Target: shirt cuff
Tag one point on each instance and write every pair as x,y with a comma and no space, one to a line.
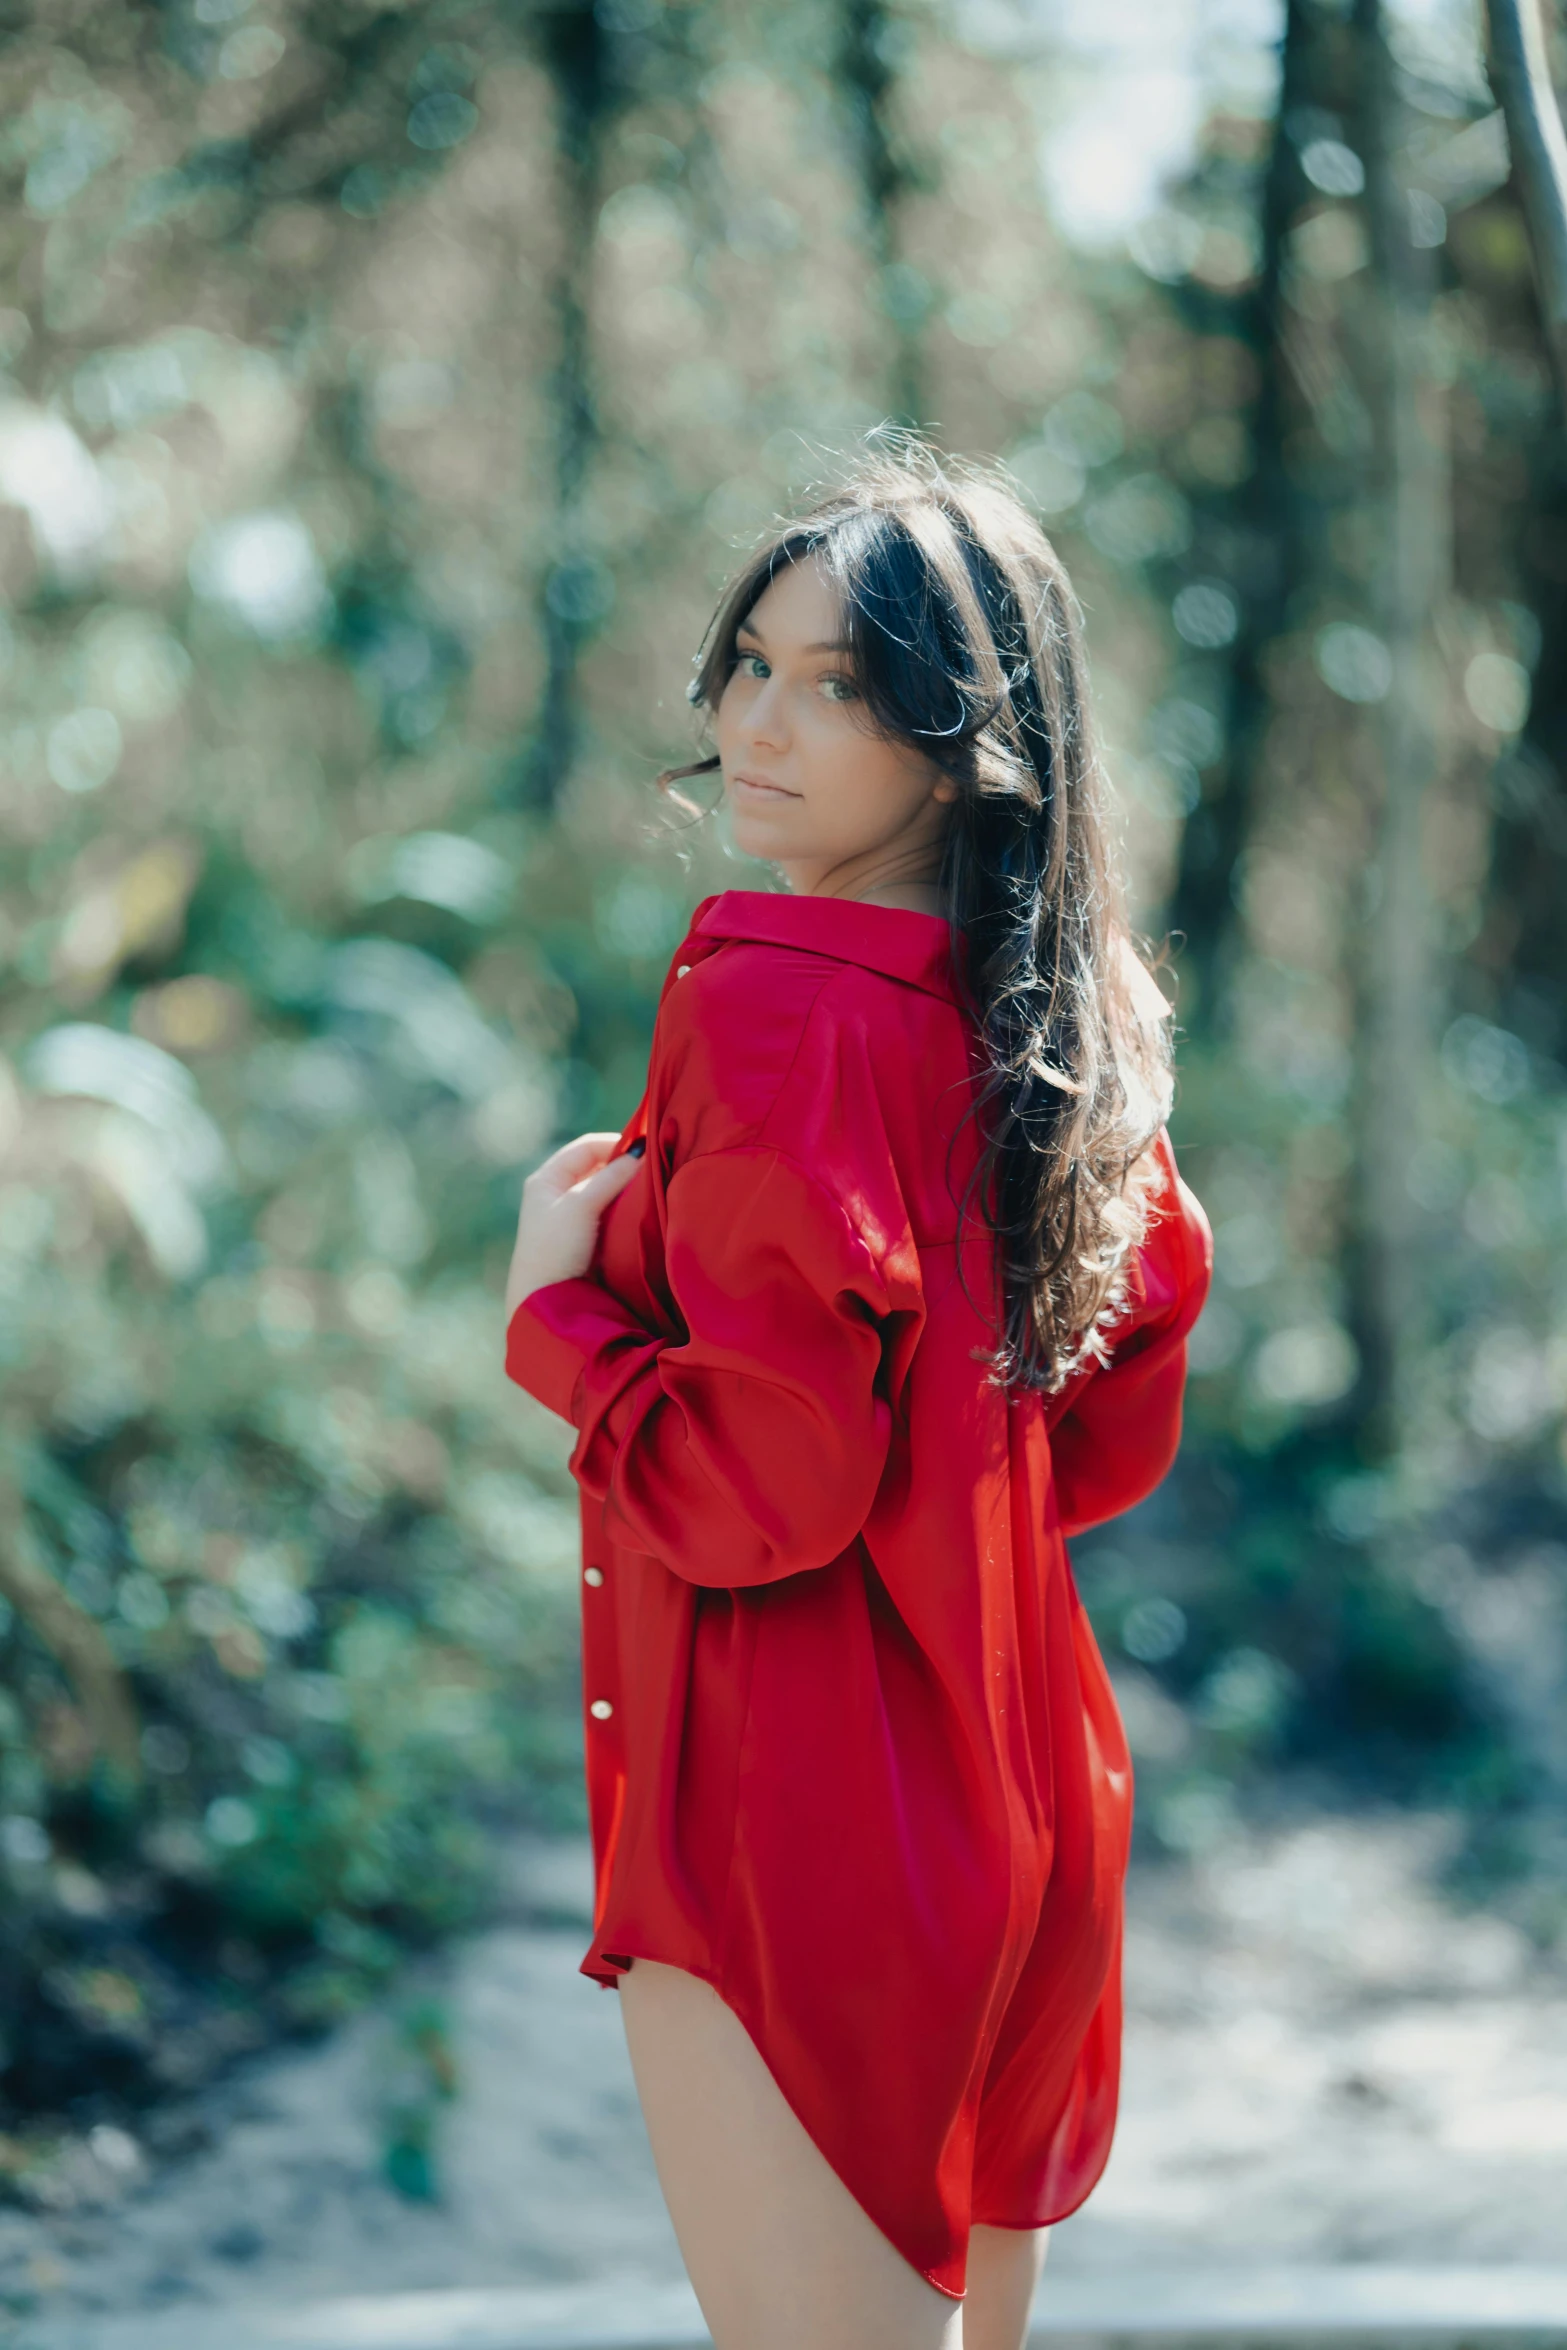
554,1335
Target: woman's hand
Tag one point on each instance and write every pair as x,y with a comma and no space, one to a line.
562,1202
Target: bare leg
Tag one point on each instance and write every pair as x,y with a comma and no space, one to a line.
779,2252
1003,2269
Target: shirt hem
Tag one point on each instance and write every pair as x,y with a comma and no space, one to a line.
609,1976
611,1945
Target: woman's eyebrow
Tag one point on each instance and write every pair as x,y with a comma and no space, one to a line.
834,647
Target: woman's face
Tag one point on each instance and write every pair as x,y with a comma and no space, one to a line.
810,787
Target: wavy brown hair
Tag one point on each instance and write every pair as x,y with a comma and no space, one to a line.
965,643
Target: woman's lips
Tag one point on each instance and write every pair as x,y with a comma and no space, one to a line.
764,791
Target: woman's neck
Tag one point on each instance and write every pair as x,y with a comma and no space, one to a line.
871,881
916,897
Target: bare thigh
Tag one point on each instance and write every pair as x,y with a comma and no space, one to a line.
780,2254
1003,2269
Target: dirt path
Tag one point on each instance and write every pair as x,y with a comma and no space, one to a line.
1322,2062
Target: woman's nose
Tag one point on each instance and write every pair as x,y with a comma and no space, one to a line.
765,718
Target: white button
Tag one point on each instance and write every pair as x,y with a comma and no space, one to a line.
593,1575
601,1709
681,969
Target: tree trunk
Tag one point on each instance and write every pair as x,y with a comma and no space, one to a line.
1520,70
868,77
1203,911
1394,964
572,43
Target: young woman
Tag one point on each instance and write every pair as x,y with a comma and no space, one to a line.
882,1292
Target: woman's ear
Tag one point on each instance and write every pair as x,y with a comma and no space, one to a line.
946,791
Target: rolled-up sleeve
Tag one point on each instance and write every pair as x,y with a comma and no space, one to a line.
749,1445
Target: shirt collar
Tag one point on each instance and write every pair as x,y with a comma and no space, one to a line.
904,945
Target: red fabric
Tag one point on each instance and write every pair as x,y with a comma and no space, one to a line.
863,1770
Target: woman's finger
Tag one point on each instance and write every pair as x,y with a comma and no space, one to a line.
606,1181
573,1160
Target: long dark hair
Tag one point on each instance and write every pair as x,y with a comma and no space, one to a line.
965,642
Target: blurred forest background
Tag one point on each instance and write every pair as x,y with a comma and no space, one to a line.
390,385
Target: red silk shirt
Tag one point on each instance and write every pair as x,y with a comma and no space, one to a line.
852,1754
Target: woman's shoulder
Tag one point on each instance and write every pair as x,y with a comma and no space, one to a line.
774,1042
730,1027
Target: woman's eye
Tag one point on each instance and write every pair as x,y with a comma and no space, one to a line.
838,687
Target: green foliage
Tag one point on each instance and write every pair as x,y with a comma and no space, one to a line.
419,2079
385,397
